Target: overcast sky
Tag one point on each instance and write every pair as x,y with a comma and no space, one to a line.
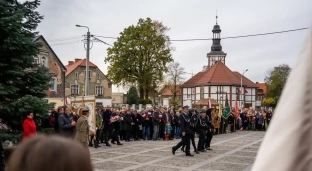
187,19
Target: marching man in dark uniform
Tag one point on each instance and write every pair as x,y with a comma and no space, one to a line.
193,122
186,132
211,129
202,127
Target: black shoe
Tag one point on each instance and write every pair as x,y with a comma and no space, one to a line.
173,151
95,146
203,151
113,142
98,146
108,145
196,151
118,143
208,148
190,155
182,149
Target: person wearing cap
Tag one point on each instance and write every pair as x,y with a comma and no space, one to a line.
202,128
82,133
186,132
193,122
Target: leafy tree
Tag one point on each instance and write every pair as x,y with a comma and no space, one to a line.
23,83
175,78
132,97
269,102
140,55
275,80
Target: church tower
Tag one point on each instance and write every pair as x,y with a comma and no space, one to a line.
216,53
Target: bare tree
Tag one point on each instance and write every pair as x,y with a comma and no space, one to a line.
175,77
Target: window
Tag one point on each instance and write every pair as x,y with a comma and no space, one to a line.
98,76
53,84
74,89
36,60
43,61
89,73
99,90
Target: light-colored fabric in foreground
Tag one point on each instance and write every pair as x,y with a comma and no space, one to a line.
287,145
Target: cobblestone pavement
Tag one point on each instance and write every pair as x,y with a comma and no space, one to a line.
231,152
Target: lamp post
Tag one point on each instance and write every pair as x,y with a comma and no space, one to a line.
87,60
241,88
222,121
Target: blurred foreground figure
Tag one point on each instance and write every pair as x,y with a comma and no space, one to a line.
36,154
287,147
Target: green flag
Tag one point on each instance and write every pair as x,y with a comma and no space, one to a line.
227,111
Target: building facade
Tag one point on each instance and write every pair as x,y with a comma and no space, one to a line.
119,98
166,95
262,89
99,84
218,82
57,70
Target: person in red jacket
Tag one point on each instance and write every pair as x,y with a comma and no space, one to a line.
29,126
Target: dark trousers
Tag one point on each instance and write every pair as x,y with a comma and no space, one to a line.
102,136
259,127
135,132
192,137
107,135
128,134
115,136
172,131
185,141
161,131
209,138
98,136
201,140
122,134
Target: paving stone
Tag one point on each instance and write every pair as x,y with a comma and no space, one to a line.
243,153
178,163
129,150
224,147
104,155
138,158
158,153
224,166
111,165
237,159
154,168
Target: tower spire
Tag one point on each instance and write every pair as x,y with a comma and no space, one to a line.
216,17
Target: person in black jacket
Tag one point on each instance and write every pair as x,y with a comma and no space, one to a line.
202,128
2,162
128,125
156,122
116,129
193,122
137,120
211,129
66,123
146,125
108,126
186,132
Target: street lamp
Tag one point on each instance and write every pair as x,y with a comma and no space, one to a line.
87,60
241,88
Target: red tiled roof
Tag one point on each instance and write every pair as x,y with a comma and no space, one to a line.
78,63
167,90
262,86
246,81
219,74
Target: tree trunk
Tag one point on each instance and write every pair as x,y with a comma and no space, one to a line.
146,93
141,93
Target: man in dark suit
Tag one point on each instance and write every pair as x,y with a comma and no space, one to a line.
186,132
66,123
108,126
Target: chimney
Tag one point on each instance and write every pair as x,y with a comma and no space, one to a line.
257,82
77,59
70,63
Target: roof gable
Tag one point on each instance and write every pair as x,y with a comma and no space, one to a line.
49,47
82,63
219,74
167,90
